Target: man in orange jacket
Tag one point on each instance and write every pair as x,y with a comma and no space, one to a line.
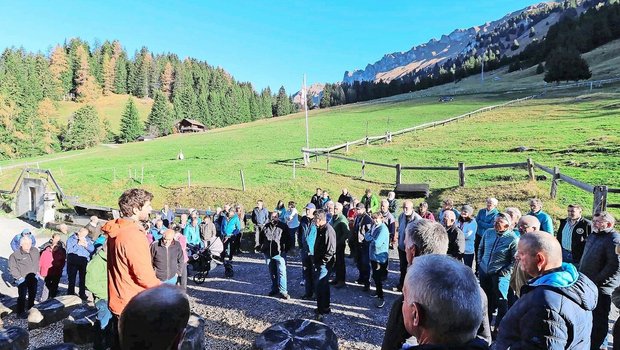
129,258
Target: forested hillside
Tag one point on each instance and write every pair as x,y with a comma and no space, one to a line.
31,84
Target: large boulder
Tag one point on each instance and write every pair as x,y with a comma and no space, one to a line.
81,325
52,310
63,346
7,305
194,337
14,338
297,334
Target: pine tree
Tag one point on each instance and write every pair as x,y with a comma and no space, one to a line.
131,127
109,68
141,74
61,72
120,75
8,113
326,96
166,80
86,88
82,130
566,64
108,134
49,127
160,121
283,104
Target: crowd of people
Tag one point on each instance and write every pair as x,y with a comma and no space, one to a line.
493,278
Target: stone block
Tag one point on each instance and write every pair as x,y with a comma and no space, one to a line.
52,310
14,338
297,334
81,325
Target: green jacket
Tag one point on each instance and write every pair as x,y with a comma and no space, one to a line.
341,226
97,275
372,204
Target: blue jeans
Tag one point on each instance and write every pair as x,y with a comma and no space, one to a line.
103,313
307,272
172,281
321,282
496,288
277,272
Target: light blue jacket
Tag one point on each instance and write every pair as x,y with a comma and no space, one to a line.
379,237
191,233
485,220
74,248
231,227
497,252
546,224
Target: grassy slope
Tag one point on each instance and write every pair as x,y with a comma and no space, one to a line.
110,107
214,158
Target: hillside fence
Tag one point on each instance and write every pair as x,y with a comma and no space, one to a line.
599,192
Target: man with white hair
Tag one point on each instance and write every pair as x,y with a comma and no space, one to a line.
93,227
24,265
388,220
406,218
442,313
546,224
456,237
601,264
555,309
496,256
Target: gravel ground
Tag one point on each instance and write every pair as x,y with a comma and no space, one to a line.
237,310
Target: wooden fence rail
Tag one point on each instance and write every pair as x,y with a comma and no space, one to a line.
600,193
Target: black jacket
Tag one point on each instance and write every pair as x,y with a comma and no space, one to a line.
325,245
474,344
361,226
581,231
547,317
396,334
599,261
167,262
317,201
456,242
273,239
22,264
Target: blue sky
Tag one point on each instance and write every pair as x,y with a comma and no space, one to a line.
265,42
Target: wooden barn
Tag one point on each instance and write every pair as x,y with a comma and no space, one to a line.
190,125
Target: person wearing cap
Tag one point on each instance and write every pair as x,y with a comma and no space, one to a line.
467,223
496,257
307,237
15,241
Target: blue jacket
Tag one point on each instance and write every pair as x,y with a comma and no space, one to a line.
74,248
191,233
157,234
554,312
440,214
308,235
546,224
15,241
485,220
496,253
231,227
379,238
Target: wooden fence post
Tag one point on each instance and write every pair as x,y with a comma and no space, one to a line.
398,174
461,174
554,182
367,141
242,180
530,169
294,163
600,199
327,162
347,147
363,168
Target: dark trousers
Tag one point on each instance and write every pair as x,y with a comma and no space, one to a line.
321,282
29,287
182,280
476,245
341,269
492,286
236,243
50,288
116,342
379,271
600,317
76,264
308,273
468,259
362,259
402,259
616,334
229,250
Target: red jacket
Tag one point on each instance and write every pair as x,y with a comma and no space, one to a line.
129,262
51,261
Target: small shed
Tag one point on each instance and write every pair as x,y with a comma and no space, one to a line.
190,125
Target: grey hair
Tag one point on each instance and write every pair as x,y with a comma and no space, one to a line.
320,214
429,237
329,203
385,201
338,205
493,200
605,216
535,201
449,296
515,214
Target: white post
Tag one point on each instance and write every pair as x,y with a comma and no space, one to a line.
294,164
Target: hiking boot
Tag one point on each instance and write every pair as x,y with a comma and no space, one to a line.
380,303
302,283
285,296
272,293
374,294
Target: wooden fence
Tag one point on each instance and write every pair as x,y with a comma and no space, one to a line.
388,136
599,192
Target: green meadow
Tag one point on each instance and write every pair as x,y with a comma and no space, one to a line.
576,132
